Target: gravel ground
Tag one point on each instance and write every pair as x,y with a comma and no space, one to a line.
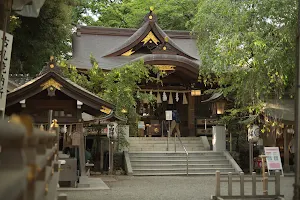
169,188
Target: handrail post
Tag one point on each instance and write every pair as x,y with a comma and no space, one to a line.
253,183
242,184
265,183
230,184
187,156
175,142
168,135
218,184
187,164
277,183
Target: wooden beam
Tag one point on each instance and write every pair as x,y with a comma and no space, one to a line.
286,139
191,115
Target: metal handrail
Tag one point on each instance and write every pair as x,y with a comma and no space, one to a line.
186,152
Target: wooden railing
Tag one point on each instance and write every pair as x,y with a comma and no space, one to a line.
29,167
204,126
241,179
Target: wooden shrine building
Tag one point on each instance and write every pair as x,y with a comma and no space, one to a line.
52,96
174,52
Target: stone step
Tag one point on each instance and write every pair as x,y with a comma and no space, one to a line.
182,170
163,138
182,161
165,145
174,155
180,166
163,149
174,159
179,174
195,153
165,141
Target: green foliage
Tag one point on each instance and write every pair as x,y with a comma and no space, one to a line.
36,39
172,14
249,47
119,86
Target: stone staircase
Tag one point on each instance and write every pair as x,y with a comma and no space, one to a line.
171,163
138,144
149,156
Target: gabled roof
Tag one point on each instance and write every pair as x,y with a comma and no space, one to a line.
108,44
51,77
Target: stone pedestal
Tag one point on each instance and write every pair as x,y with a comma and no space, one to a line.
219,138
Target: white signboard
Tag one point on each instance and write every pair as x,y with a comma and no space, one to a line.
141,125
5,67
273,158
76,139
169,115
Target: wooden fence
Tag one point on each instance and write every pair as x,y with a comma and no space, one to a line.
265,180
29,167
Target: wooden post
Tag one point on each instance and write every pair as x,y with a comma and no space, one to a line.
50,114
191,115
101,155
253,183
264,174
286,138
218,184
242,184
277,183
230,184
79,129
250,156
265,184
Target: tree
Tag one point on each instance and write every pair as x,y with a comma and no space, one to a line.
36,39
119,86
172,14
247,49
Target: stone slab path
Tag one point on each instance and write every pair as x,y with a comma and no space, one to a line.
168,188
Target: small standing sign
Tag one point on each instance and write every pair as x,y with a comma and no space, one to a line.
76,139
169,115
273,159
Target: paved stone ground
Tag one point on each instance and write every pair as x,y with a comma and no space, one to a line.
168,188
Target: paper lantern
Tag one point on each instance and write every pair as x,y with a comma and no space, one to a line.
195,92
184,99
165,98
158,98
170,98
177,97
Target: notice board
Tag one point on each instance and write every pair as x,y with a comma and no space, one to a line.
273,159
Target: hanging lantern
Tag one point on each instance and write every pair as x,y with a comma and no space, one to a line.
145,101
177,97
184,99
170,98
195,92
220,107
253,133
165,98
158,98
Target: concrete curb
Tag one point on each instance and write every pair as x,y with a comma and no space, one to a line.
232,161
205,143
128,167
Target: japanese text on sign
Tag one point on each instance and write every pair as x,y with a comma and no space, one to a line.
5,66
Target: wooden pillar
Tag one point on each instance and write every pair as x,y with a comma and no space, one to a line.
79,129
191,115
286,166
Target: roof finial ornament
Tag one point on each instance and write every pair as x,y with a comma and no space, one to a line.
151,15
